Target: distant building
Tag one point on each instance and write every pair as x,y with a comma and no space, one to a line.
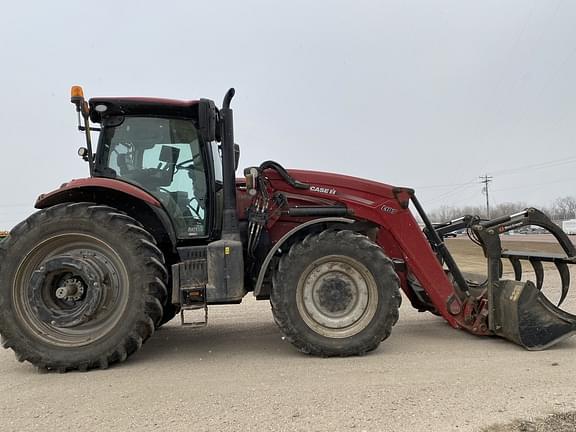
569,226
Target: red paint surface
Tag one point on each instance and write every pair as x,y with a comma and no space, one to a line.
400,235
45,200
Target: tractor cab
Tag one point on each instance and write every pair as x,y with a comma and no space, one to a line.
157,147
166,157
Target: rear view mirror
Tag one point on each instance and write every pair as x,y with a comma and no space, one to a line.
207,120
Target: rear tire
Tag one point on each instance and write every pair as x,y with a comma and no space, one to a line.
81,286
335,294
169,312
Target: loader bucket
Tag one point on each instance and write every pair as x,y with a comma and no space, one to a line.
522,314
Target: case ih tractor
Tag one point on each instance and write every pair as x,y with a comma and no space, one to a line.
162,226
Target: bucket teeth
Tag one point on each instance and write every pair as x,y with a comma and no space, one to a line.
565,279
539,271
517,266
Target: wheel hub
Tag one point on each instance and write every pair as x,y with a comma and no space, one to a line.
67,290
336,296
71,290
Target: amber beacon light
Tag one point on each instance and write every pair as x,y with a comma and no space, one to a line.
76,95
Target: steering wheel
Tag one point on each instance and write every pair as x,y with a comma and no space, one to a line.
188,164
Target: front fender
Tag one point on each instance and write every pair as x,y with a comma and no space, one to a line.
283,239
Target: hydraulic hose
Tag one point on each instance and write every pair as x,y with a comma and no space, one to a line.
284,174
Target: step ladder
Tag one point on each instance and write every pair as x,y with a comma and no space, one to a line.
189,280
193,299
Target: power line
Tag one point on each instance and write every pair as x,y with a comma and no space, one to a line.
536,185
442,186
540,165
459,187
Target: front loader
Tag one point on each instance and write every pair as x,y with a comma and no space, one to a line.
162,226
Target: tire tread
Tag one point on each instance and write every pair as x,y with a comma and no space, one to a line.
154,276
281,302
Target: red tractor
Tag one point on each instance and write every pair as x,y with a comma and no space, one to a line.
162,225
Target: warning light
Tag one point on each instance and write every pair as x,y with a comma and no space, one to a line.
77,92
76,95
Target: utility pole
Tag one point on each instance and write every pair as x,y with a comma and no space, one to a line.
486,179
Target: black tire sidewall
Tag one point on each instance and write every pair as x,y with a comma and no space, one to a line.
286,285
41,227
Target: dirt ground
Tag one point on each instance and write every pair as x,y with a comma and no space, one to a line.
238,374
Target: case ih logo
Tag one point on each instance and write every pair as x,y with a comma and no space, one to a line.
324,190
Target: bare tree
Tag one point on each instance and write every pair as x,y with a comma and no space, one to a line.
563,208
508,208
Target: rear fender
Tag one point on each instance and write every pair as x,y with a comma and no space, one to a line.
125,197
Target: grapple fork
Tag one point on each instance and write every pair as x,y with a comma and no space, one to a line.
519,311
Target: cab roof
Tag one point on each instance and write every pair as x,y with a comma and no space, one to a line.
101,107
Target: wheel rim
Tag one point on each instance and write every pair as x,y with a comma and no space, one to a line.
337,296
70,290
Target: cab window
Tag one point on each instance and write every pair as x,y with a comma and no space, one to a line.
164,157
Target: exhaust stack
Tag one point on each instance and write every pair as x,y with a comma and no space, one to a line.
225,266
230,220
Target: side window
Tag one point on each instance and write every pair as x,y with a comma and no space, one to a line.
217,157
164,157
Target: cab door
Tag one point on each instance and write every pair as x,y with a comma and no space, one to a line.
164,156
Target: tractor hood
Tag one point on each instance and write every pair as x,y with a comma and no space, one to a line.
337,187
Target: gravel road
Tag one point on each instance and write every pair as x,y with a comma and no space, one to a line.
238,374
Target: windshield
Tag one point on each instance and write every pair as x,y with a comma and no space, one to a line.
164,157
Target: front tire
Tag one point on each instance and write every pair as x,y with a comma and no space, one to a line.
335,294
81,286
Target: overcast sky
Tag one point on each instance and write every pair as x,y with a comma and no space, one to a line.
428,94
